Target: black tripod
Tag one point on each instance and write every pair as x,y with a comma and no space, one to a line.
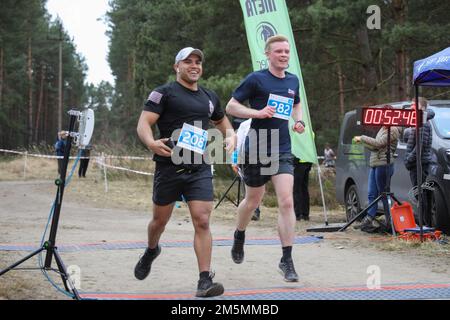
387,194
50,244
238,179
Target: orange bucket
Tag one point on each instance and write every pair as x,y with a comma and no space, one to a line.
403,216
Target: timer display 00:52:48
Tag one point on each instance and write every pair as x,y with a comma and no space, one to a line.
389,117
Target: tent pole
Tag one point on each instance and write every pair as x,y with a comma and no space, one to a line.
419,122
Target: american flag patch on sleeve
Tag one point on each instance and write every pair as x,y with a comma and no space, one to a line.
155,97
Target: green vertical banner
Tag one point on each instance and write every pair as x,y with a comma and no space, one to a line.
263,19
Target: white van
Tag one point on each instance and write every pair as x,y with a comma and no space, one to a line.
352,165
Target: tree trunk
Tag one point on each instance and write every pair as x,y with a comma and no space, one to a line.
400,72
40,101
131,82
408,78
341,91
400,10
60,86
369,65
45,116
30,94
1,75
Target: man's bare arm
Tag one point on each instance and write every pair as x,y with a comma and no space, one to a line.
227,131
297,115
144,131
237,109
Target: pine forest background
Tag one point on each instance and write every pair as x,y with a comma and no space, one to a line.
344,64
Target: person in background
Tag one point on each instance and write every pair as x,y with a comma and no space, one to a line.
301,191
60,145
84,161
256,214
426,156
377,174
329,156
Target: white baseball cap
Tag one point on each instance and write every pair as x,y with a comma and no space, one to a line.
186,52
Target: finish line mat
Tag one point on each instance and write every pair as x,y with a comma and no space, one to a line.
388,292
122,245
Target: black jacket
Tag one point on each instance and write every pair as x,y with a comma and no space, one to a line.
426,140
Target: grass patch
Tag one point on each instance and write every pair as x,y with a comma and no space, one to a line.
17,168
427,248
15,287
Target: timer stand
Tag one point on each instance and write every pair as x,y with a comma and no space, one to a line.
386,195
238,178
50,245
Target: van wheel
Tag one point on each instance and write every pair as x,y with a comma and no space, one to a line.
440,217
352,203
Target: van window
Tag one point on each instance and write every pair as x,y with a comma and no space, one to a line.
351,129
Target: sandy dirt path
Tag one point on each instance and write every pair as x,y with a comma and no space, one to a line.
340,259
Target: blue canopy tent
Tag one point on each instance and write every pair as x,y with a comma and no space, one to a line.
433,71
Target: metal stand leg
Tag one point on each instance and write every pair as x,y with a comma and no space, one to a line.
64,275
362,214
59,262
237,178
388,214
2,272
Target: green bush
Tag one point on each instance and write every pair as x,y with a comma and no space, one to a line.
223,86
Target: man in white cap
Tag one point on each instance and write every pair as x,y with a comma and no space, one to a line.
176,106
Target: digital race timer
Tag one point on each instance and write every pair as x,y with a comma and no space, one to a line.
388,117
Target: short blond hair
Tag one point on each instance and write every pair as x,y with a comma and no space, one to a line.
276,38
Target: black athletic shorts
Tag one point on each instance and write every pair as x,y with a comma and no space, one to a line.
257,175
171,182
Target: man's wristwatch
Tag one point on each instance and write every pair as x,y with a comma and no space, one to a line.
301,122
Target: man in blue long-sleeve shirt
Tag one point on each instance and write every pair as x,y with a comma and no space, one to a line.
60,145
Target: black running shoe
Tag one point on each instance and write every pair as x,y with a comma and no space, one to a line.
206,288
256,215
237,251
288,270
143,267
